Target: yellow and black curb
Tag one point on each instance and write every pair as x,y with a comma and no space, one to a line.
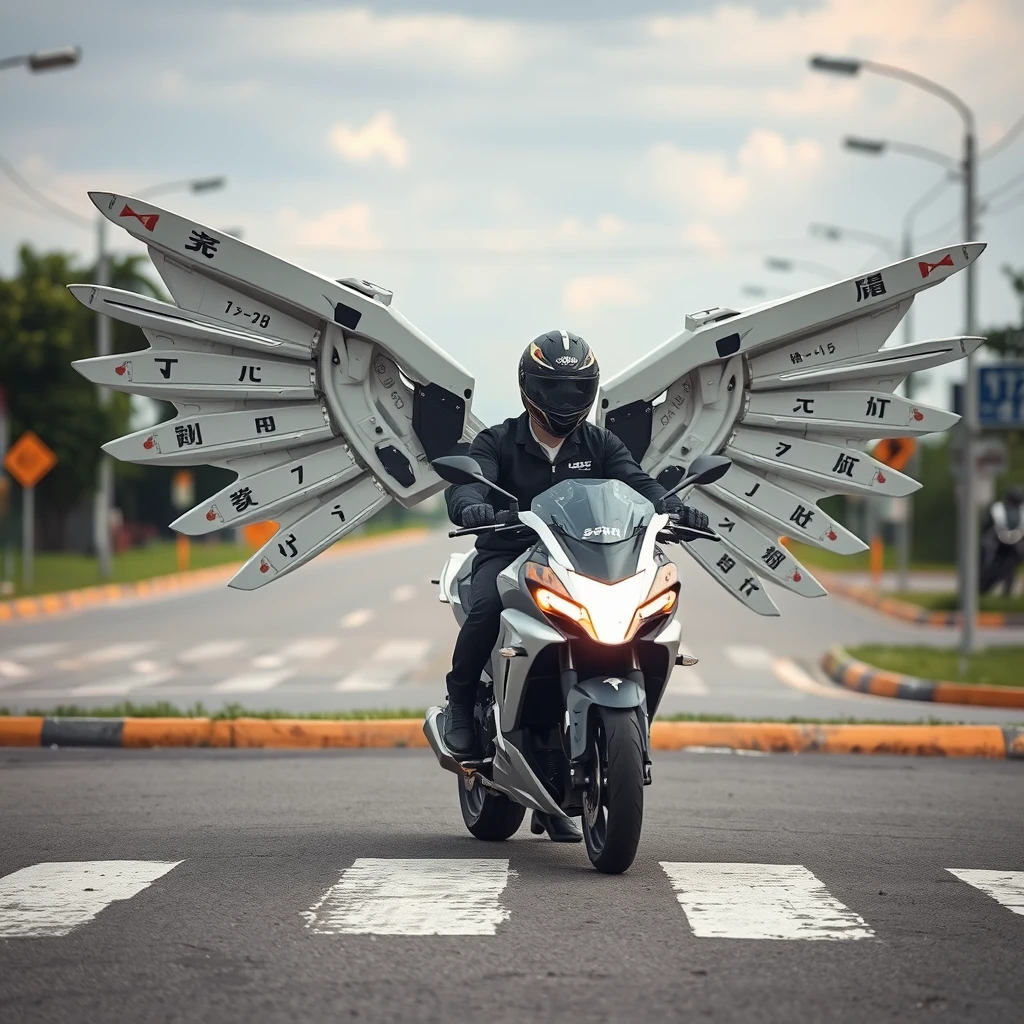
864,678
988,741
906,611
20,609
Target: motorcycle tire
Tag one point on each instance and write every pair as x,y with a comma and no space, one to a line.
613,804
488,815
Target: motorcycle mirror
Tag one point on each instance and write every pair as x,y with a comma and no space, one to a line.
705,469
462,469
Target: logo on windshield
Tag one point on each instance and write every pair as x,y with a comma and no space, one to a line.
601,531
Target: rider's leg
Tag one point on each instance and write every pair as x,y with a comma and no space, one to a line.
472,649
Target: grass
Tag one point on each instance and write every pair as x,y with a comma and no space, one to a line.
997,666
164,709
817,558
946,602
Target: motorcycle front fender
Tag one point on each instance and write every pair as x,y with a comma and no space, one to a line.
607,692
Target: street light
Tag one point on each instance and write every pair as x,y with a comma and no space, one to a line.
968,510
105,479
837,234
44,60
876,147
786,265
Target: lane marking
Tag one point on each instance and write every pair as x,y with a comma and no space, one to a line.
402,650
210,650
310,647
360,617
389,664
121,686
1007,887
33,652
726,750
686,681
145,666
793,676
431,896
357,683
251,682
751,658
12,670
267,661
49,900
761,901
119,652
406,592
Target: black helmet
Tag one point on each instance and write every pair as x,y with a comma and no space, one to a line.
1015,495
558,378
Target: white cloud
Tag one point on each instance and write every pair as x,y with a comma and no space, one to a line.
695,179
704,237
378,137
587,294
767,150
347,227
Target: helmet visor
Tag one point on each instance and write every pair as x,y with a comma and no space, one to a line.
561,396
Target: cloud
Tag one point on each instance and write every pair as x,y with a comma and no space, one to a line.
701,180
347,227
587,294
769,151
704,237
377,137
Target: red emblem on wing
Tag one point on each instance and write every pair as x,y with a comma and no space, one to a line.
918,415
832,535
211,515
927,268
264,566
796,577
147,220
150,442
880,478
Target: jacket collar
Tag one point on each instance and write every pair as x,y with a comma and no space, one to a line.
524,436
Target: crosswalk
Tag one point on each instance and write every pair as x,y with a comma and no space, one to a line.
471,896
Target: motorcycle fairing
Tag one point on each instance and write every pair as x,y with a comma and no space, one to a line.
792,391
607,692
322,398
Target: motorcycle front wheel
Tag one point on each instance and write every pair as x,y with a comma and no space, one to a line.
488,815
613,803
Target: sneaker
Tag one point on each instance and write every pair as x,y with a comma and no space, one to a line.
459,731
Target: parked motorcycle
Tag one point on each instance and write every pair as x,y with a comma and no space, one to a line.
587,642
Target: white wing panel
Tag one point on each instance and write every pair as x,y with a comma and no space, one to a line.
742,583
314,526
257,495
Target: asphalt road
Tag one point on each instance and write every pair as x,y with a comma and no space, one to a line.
275,893
364,628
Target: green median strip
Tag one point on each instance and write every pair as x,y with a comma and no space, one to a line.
948,602
164,709
996,666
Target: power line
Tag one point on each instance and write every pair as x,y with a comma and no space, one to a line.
39,197
1011,133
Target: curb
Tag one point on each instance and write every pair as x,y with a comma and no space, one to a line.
907,612
989,741
60,603
864,678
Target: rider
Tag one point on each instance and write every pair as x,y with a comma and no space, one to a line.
1002,541
525,455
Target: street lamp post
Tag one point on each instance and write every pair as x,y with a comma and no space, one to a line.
104,497
968,509
44,60
786,265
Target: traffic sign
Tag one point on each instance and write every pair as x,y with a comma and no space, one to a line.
895,452
29,460
1001,395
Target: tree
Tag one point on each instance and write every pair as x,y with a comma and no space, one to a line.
42,329
1010,340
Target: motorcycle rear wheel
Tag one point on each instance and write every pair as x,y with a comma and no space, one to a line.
488,815
613,804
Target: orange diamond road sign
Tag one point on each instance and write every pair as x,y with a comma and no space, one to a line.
28,460
895,452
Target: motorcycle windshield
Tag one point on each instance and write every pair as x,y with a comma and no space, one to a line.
600,523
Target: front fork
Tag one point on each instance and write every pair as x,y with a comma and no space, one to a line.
626,691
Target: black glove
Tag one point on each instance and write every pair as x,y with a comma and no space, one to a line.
474,516
690,519
670,505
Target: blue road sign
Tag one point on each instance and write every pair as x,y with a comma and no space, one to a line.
1001,395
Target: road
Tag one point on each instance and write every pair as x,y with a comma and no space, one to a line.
364,628
271,886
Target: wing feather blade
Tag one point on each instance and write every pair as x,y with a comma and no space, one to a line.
742,583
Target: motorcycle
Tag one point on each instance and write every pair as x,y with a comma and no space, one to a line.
587,641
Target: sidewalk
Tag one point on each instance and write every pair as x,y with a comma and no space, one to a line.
938,582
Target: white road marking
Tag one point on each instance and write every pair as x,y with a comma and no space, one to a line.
726,750
686,681
752,658
310,647
121,686
33,652
1005,886
267,661
357,683
360,617
392,661
406,592
761,901
414,897
119,652
48,900
12,670
252,682
790,673
210,650
402,650
145,666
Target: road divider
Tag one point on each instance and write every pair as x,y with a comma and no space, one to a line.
856,675
69,601
989,741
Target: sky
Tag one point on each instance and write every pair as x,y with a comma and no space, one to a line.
511,167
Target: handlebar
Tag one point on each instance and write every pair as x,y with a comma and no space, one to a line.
684,535
503,520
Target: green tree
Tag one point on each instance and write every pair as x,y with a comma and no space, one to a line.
1009,340
42,329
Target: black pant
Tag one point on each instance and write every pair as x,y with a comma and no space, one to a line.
480,630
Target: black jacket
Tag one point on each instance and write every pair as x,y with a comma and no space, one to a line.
510,456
